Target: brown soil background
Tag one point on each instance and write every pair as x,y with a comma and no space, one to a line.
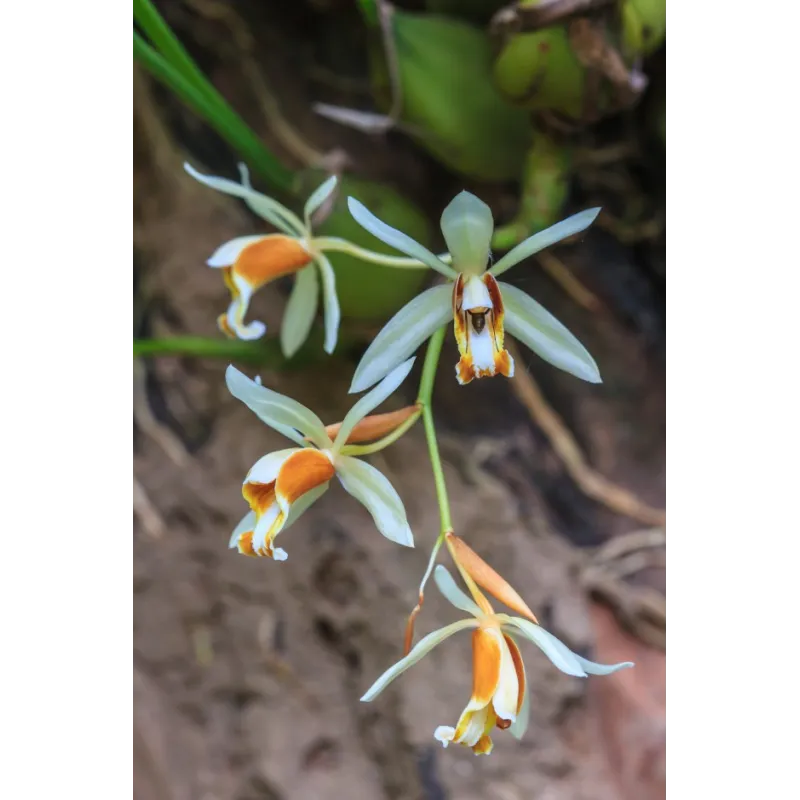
248,673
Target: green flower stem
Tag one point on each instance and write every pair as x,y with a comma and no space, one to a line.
212,107
167,43
335,244
374,447
424,399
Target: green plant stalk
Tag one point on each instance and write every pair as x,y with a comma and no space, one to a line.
218,114
168,44
424,399
264,352
337,245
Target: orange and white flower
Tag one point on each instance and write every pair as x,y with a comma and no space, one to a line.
482,308
250,262
282,485
500,695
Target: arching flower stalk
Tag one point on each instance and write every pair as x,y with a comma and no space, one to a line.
500,693
482,308
282,485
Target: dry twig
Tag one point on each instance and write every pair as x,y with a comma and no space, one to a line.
563,442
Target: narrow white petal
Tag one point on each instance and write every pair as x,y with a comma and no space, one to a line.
266,469
279,412
593,668
549,236
372,488
366,121
318,197
394,238
403,334
267,208
330,299
246,524
506,695
303,503
372,400
300,311
467,226
448,587
553,648
537,328
520,724
226,254
422,648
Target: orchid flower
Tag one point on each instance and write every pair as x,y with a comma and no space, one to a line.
482,308
500,696
282,485
250,262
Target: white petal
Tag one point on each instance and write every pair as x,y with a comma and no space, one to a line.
266,469
300,311
403,334
536,327
226,254
549,236
279,412
319,196
394,238
372,488
264,206
520,724
555,650
448,587
246,524
372,400
481,346
366,121
303,503
593,668
467,226
330,299
506,695
422,648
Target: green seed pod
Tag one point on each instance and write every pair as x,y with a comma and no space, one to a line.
644,26
450,105
371,291
539,70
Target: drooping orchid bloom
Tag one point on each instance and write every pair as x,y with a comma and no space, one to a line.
482,308
500,694
282,485
250,262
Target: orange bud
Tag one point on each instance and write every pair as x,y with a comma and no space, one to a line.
487,578
374,427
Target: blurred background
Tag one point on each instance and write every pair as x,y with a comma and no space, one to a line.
248,673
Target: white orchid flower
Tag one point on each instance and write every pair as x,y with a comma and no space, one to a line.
482,308
282,485
250,262
500,696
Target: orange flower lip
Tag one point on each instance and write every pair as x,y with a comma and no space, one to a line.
270,258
